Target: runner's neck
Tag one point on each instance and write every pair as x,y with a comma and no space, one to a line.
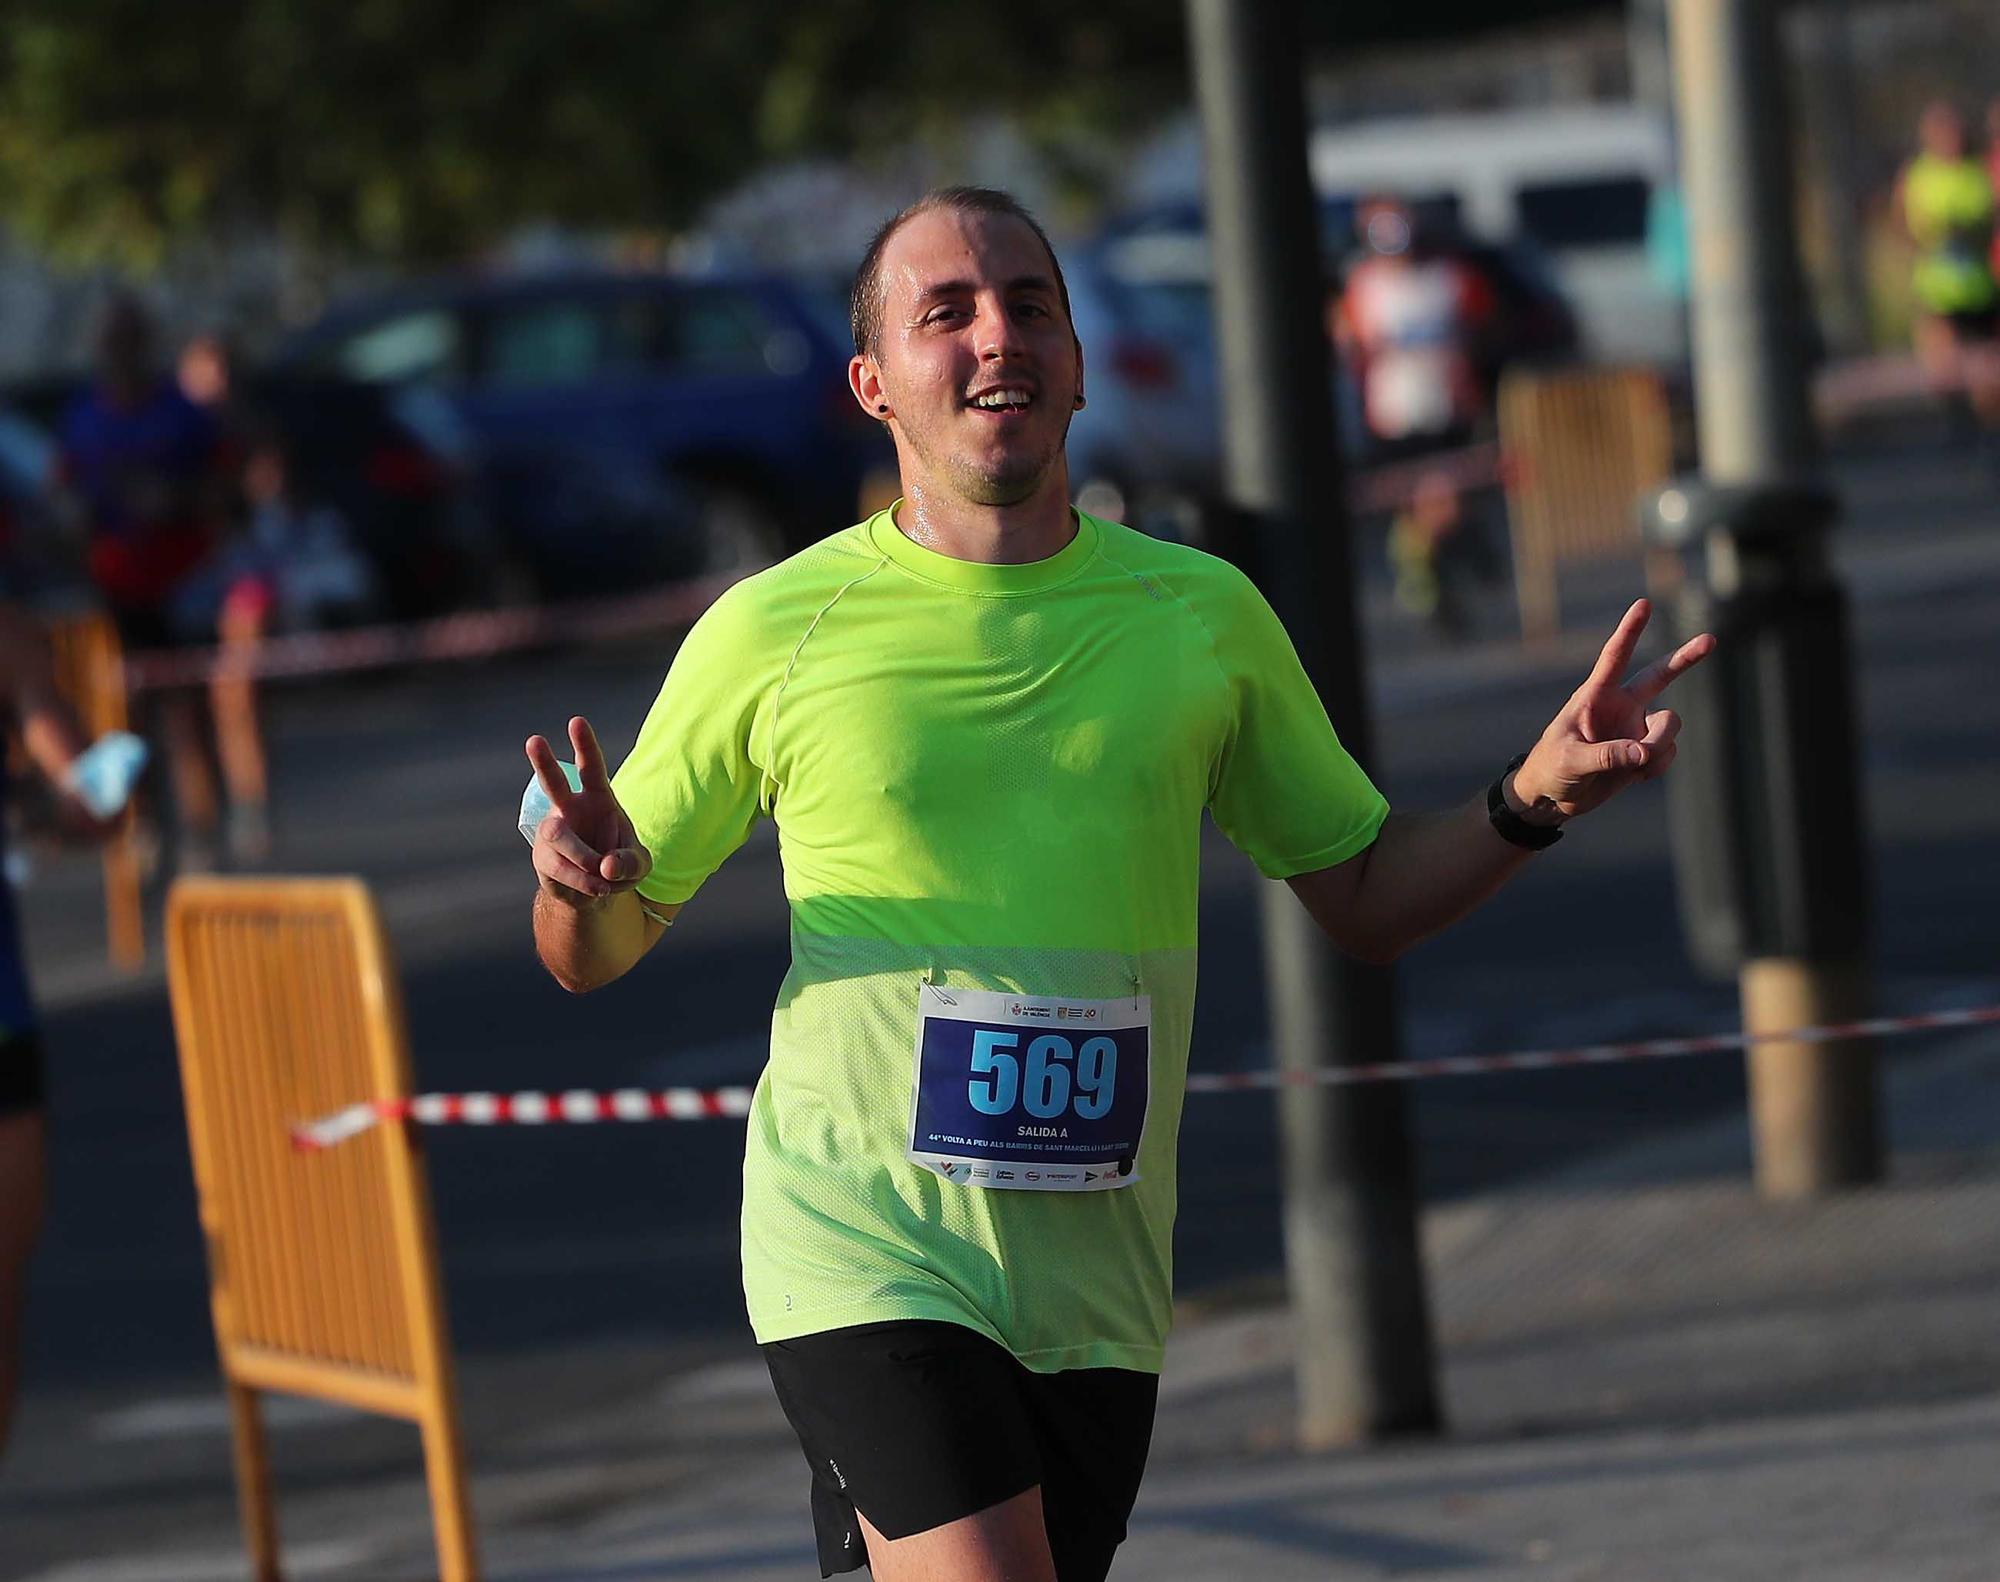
1037,529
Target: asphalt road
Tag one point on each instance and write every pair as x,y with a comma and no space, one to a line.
580,1262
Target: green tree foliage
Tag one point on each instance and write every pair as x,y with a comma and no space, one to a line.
417,128
408,129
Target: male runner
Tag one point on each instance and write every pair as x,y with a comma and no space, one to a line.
52,741
986,727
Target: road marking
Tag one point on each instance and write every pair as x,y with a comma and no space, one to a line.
172,1417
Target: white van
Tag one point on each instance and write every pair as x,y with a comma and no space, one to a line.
1578,183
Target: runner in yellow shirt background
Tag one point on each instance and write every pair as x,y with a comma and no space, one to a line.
1946,198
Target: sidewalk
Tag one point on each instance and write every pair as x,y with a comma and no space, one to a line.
1650,1375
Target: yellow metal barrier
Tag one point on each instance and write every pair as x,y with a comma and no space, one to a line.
1580,447
90,678
323,1270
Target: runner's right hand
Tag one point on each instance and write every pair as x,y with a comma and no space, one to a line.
586,849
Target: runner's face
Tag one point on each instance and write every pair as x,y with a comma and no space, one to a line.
1943,133
977,358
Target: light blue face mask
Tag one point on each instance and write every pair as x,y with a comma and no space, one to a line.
535,803
101,777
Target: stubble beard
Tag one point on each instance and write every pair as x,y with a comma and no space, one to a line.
1008,480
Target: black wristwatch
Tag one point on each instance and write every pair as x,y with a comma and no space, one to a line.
1511,826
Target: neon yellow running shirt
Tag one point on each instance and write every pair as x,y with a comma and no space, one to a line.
992,776
1948,204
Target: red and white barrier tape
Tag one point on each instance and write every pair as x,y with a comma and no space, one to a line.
582,1105
579,1106
1589,1055
476,635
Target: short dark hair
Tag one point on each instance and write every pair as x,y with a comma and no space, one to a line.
864,299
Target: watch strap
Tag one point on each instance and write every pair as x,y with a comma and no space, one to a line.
1509,825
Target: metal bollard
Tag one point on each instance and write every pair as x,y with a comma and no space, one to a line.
1766,816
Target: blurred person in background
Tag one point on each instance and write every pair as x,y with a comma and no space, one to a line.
140,461
208,374
1426,535
217,605
206,369
1410,322
1946,198
1410,318
51,741
311,565
1993,177
287,564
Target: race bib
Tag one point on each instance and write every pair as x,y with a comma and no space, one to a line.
1036,1094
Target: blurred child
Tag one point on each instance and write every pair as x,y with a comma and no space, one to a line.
292,566
317,572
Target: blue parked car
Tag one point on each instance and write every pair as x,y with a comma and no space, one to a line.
726,390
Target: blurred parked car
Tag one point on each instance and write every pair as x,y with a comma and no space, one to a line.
619,521
27,471
412,503
725,389
1148,439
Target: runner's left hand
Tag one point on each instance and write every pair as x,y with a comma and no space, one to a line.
1604,739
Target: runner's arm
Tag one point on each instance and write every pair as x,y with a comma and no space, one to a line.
1423,873
591,926
48,730
689,782
589,941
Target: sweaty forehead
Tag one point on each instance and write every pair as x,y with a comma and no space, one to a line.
945,245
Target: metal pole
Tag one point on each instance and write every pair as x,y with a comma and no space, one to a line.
1832,85
1812,1107
1646,54
1750,395
1365,1364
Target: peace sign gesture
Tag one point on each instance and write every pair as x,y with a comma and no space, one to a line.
1604,739
586,848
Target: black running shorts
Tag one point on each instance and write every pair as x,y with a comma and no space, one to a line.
1980,324
919,1423
20,1073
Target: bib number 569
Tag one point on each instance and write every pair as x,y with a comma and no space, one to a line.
1058,1075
